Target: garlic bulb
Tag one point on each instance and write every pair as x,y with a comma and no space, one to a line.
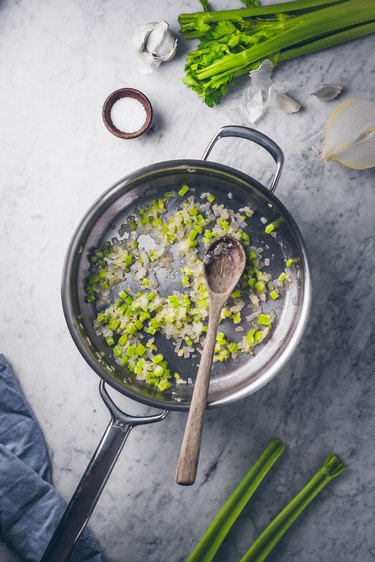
327,92
156,43
350,134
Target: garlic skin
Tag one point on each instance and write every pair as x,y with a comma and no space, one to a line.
156,43
261,77
253,105
327,92
350,134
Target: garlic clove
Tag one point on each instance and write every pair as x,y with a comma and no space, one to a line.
327,92
350,134
279,100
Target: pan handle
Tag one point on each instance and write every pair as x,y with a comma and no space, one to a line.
82,504
255,136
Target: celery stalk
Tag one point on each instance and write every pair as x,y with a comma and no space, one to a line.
329,41
221,15
225,518
308,26
267,541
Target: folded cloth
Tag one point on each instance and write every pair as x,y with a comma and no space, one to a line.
30,507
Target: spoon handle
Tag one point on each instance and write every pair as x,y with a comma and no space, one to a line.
190,448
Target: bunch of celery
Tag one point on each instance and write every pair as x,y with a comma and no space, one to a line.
233,42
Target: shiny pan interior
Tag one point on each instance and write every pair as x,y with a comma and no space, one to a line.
231,380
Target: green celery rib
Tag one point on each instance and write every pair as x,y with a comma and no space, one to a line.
225,518
308,26
320,44
293,6
267,541
329,41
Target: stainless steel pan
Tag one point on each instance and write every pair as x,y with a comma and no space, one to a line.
230,381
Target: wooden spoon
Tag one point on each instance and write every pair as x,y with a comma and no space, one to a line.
223,266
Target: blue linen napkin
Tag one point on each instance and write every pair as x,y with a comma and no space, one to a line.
30,507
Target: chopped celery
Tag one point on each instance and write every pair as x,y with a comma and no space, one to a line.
274,295
140,350
264,319
192,235
282,277
273,225
158,358
130,350
211,198
259,286
123,339
269,228
250,336
110,340
236,294
113,323
192,243
159,370
289,262
117,350
251,282
184,189
164,384
258,336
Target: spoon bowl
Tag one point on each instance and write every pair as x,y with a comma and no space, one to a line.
223,265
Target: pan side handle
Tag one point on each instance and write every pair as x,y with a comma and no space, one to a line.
254,136
82,504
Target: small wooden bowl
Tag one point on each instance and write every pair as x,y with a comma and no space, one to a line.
126,93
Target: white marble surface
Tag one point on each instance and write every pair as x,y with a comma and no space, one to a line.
58,62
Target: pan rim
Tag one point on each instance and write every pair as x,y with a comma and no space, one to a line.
100,202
